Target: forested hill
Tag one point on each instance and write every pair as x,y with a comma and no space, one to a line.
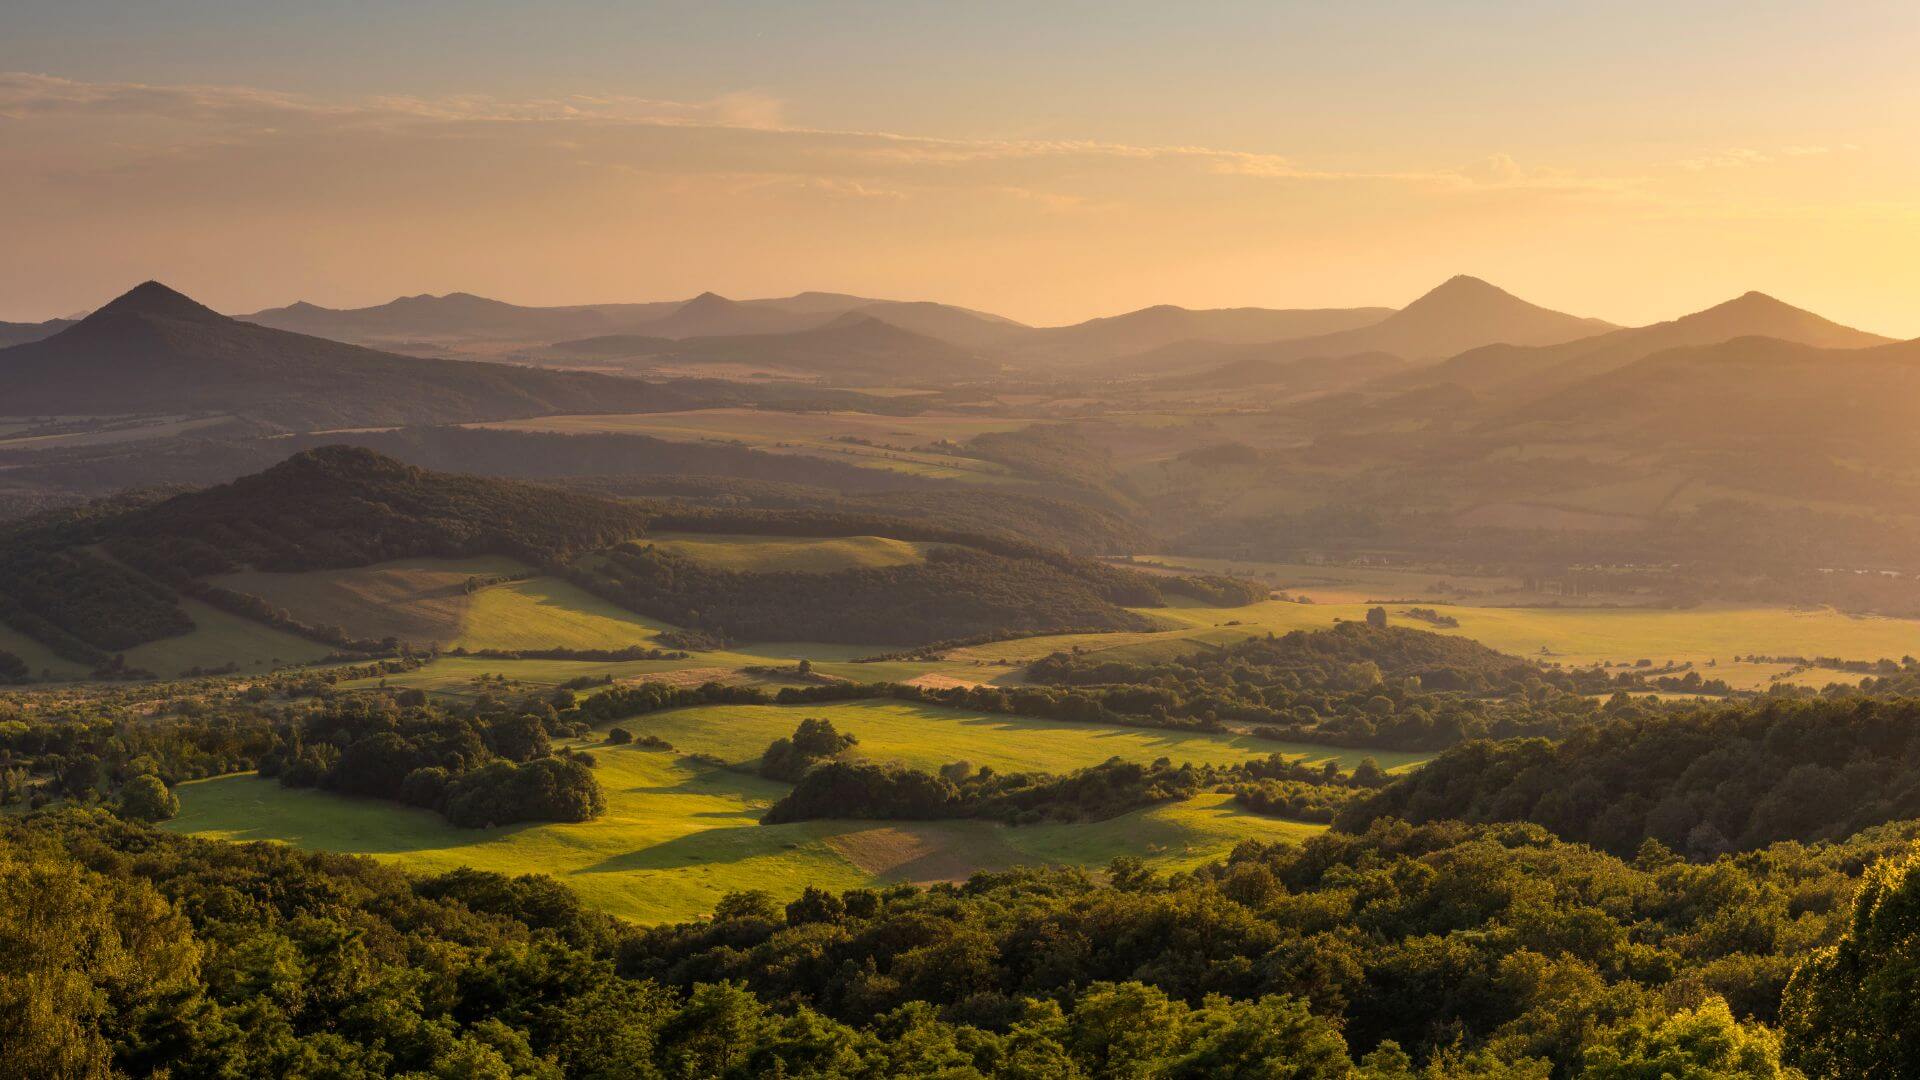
1701,782
348,506
156,351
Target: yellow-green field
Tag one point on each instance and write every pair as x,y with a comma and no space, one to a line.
426,601
676,837
1570,636
219,639
416,600
929,736
546,612
819,555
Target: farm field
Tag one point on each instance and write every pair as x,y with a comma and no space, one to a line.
416,600
544,613
819,555
929,736
676,837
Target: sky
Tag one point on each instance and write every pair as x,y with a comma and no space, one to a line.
1048,161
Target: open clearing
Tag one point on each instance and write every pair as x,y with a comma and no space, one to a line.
219,639
928,736
817,555
676,837
544,613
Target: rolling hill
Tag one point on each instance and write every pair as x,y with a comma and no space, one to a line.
1254,369
1750,393
156,351
14,333
456,316
1520,369
854,344
1152,328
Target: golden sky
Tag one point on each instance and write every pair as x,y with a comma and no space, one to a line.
1049,162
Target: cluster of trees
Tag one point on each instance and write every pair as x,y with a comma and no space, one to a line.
957,592
827,784
1702,779
1352,685
13,669
814,741
477,770
80,606
1484,951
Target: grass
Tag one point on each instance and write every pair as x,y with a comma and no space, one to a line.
928,736
424,601
820,555
676,837
544,613
219,639
39,658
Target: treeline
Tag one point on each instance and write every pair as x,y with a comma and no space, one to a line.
80,606
1351,685
957,592
1476,951
873,790
475,770
1701,780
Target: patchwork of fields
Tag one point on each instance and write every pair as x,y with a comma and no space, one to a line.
677,836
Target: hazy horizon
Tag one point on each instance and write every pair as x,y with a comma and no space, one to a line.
1632,165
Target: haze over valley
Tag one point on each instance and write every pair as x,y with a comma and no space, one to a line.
851,541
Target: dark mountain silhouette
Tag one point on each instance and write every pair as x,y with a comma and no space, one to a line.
854,344
711,314
156,351
1460,314
456,317
1154,327
17,333
1514,370
424,321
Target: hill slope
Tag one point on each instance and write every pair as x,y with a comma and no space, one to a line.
1151,328
1520,369
852,344
156,351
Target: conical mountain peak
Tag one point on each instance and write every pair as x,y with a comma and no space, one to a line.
152,300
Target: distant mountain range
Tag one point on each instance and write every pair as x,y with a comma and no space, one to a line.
464,318
1517,368
156,351
1465,332
853,345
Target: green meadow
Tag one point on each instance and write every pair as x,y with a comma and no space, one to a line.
677,836
808,554
929,736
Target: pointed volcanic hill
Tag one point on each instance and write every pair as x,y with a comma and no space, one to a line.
155,351
710,315
1512,372
1460,314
